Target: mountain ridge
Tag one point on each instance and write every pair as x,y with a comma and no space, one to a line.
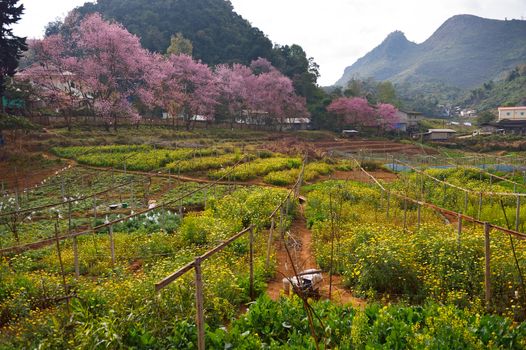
465,51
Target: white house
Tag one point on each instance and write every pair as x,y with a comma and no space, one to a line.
512,113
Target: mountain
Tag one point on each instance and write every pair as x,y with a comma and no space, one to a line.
464,52
510,91
218,34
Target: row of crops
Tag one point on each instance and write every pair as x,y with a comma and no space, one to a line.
74,200
115,306
212,163
486,197
424,284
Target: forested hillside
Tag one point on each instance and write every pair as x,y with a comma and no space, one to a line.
510,91
218,34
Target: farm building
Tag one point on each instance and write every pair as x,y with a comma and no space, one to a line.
512,120
512,113
408,120
439,134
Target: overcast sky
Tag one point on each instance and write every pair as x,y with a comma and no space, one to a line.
335,32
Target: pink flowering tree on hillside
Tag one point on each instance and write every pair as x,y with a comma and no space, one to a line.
271,98
198,90
100,63
113,66
354,111
163,88
260,94
275,94
261,66
52,77
387,116
234,84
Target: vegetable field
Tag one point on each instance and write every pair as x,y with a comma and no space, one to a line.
145,247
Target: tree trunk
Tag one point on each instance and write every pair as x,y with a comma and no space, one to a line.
67,117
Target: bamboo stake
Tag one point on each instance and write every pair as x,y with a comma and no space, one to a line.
269,243
487,271
75,244
405,214
59,254
518,214
419,216
200,315
480,206
459,229
112,246
251,253
388,203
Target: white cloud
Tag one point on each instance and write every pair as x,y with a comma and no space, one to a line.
338,32
335,32
38,13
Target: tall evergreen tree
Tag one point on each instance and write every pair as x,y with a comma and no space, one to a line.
11,46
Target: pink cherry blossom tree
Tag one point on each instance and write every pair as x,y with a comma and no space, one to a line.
387,116
99,63
274,93
199,92
52,77
234,84
354,111
112,65
260,94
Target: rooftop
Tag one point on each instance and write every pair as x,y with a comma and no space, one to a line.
512,108
442,130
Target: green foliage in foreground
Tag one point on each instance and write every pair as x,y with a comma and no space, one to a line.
116,306
420,186
377,256
284,325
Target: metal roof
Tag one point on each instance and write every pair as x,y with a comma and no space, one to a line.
451,131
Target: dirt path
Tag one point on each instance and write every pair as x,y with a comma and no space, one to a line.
303,259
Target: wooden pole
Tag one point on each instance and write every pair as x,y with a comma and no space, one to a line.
388,203
269,242
459,229
75,244
487,271
200,314
64,284
480,206
518,214
181,209
112,246
405,214
132,195
419,216
281,228
163,218
95,211
251,252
